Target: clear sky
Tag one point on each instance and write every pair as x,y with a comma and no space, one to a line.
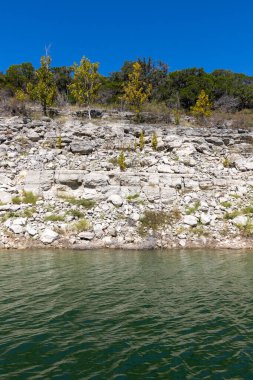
184,33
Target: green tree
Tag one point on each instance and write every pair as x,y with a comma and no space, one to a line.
136,91
18,76
202,107
45,90
86,83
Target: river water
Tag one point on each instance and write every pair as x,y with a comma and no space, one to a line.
126,315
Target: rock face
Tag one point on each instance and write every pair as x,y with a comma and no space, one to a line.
195,190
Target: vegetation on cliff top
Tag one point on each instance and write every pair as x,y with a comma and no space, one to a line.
136,83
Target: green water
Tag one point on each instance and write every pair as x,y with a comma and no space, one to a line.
126,315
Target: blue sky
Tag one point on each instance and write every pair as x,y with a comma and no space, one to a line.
209,34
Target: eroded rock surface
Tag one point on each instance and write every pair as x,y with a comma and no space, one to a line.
195,190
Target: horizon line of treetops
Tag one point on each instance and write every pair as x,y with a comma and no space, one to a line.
134,84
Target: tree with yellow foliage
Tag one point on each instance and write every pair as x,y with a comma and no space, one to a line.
136,91
86,83
202,107
45,90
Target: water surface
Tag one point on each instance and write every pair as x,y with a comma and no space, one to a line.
126,315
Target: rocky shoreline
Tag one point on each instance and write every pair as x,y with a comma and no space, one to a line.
61,185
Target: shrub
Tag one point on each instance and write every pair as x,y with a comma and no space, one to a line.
202,107
122,161
81,225
154,141
191,210
29,197
87,203
54,218
247,229
75,213
226,204
153,220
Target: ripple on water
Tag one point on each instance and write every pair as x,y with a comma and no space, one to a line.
126,315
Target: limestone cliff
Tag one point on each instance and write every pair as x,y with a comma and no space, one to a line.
61,186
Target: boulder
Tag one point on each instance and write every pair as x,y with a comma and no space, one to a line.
17,229
69,177
190,220
48,236
116,200
240,220
5,197
82,147
86,235
95,179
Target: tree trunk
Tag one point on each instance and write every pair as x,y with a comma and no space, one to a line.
89,113
44,109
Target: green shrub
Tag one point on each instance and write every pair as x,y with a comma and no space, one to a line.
246,230
227,163
81,225
27,197
226,204
54,218
154,141
16,200
153,220
122,161
75,213
86,203
191,210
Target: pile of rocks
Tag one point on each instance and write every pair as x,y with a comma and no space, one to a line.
61,186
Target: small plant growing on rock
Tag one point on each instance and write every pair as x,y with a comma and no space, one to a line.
27,197
59,142
191,210
247,229
154,141
87,203
122,161
226,204
153,220
81,225
142,140
227,163
54,218
75,213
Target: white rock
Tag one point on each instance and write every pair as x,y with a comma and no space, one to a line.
48,236
19,221
240,220
31,230
5,197
17,229
190,220
205,218
135,216
98,230
164,168
116,200
86,235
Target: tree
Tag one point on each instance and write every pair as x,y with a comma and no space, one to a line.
86,83
136,91
202,107
44,90
18,76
